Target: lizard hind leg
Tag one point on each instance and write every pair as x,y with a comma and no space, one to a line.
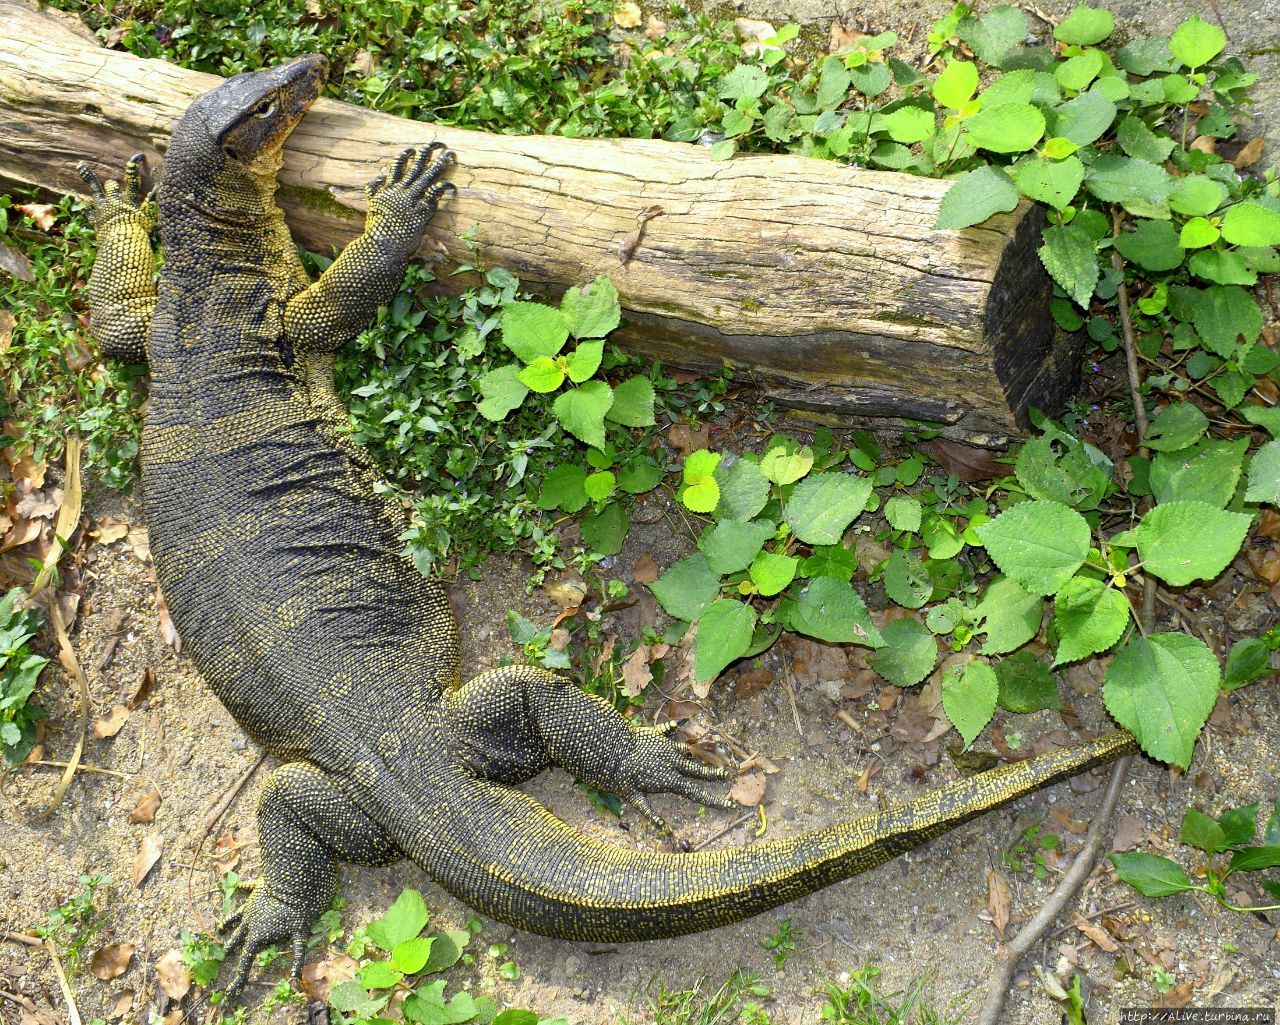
300,805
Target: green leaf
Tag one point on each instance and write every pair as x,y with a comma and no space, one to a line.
687,588
1249,659
1222,267
1007,128
1152,246
906,581
600,485
1197,195
701,492
1139,186
771,573
1239,825
426,1006
909,124
639,474
585,361
1039,544
1090,618
1010,616
956,85
1264,475
833,83
411,955
606,529
969,695
1207,471
502,390
531,330
724,635
903,512
1251,224
1254,859
975,196
543,375
1184,541
593,311
831,610
1144,55
1061,468
1224,313
908,655
1053,182
784,465
831,561
731,545
351,998
747,80
992,36
515,1016
824,504
1084,119
1162,688
380,975
1071,259
403,921
1084,26
446,950
744,490
1202,832
1077,72
1150,874
632,403
1196,42
1026,684
1179,424
581,411
723,149
1266,417
1138,140
564,488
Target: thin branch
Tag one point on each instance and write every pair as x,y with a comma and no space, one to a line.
73,1012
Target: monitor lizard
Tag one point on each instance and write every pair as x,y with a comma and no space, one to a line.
283,572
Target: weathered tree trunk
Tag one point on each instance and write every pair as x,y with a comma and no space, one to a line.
824,283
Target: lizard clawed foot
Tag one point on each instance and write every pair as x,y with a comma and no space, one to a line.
660,764
117,200
262,921
409,192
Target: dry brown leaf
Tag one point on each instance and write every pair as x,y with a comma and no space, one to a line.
1179,996
748,789
1249,153
167,630
319,976
7,323
111,723
144,810
752,682
1265,562
144,687
364,63
999,899
966,461
1062,816
1205,144
140,543
627,15
14,263
42,213
559,638
1128,832
1269,524
171,971
22,532
568,592
645,571
123,1004
842,37
109,531
149,852
1097,935
226,852
636,675
111,961
685,439
654,27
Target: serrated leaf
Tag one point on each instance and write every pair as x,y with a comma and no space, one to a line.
351,998
426,1006
747,80
1153,246
957,83
403,921
563,488
379,975
824,504
1141,187
1178,425
701,492
1026,684
831,610
1084,119
1077,72
771,572
1197,195
975,196
1006,128
606,529
1251,224
1090,618
581,411
632,403
1207,471
531,330
1138,140
1222,314
909,124
503,391
1084,26
724,635
908,655
744,490
1184,541
969,698
1010,616
1071,259
1239,825
687,588
1249,659
997,32
639,474
1202,832
446,950
1053,182
1264,475
411,955
731,545
1150,874
906,581
585,361
1196,42
593,311
543,375
784,465
1162,688
600,485
903,512
1059,467
1039,544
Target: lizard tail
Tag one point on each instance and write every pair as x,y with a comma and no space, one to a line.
516,862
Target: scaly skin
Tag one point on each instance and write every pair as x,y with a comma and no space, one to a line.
284,577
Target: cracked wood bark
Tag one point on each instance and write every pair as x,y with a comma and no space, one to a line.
824,283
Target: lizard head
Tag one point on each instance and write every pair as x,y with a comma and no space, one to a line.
243,123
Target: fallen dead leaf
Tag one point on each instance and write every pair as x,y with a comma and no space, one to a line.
654,27
1062,816
123,1004
167,630
109,531
636,675
149,852
43,214
111,961
22,532
842,37
1128,832
1249,153
319,976
144,809
1097,935
1269,524
145,684
559,638
364,63
14,263
967,462
567,592
999,898
172,973
627,15
645,570
1265,562
139,543
752,682
1179,996
685,439
1205,144
748,789
226,852
7,323
111,723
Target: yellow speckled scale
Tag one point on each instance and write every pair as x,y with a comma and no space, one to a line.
283,573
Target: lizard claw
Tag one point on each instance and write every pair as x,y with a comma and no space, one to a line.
261,922
119,200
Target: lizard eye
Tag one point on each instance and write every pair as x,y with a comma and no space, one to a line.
265,109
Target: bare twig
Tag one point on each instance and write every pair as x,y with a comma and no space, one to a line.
20,937
83,768
1029,935
73,1012
791,697
211,820
727,829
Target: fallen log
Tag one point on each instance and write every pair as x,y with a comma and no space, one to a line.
824,283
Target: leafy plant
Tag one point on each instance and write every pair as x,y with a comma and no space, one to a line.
1228,844
1027,853
20,669
701,1005
783,944
72,925
854,1000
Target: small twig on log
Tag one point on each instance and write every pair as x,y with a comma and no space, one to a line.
210,821
1065,891
21,937
727,829
73,1012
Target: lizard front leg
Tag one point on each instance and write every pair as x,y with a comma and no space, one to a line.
122,288
326,315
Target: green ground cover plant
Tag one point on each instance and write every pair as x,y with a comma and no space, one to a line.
20,668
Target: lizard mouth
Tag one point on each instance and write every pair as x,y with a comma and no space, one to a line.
301,81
